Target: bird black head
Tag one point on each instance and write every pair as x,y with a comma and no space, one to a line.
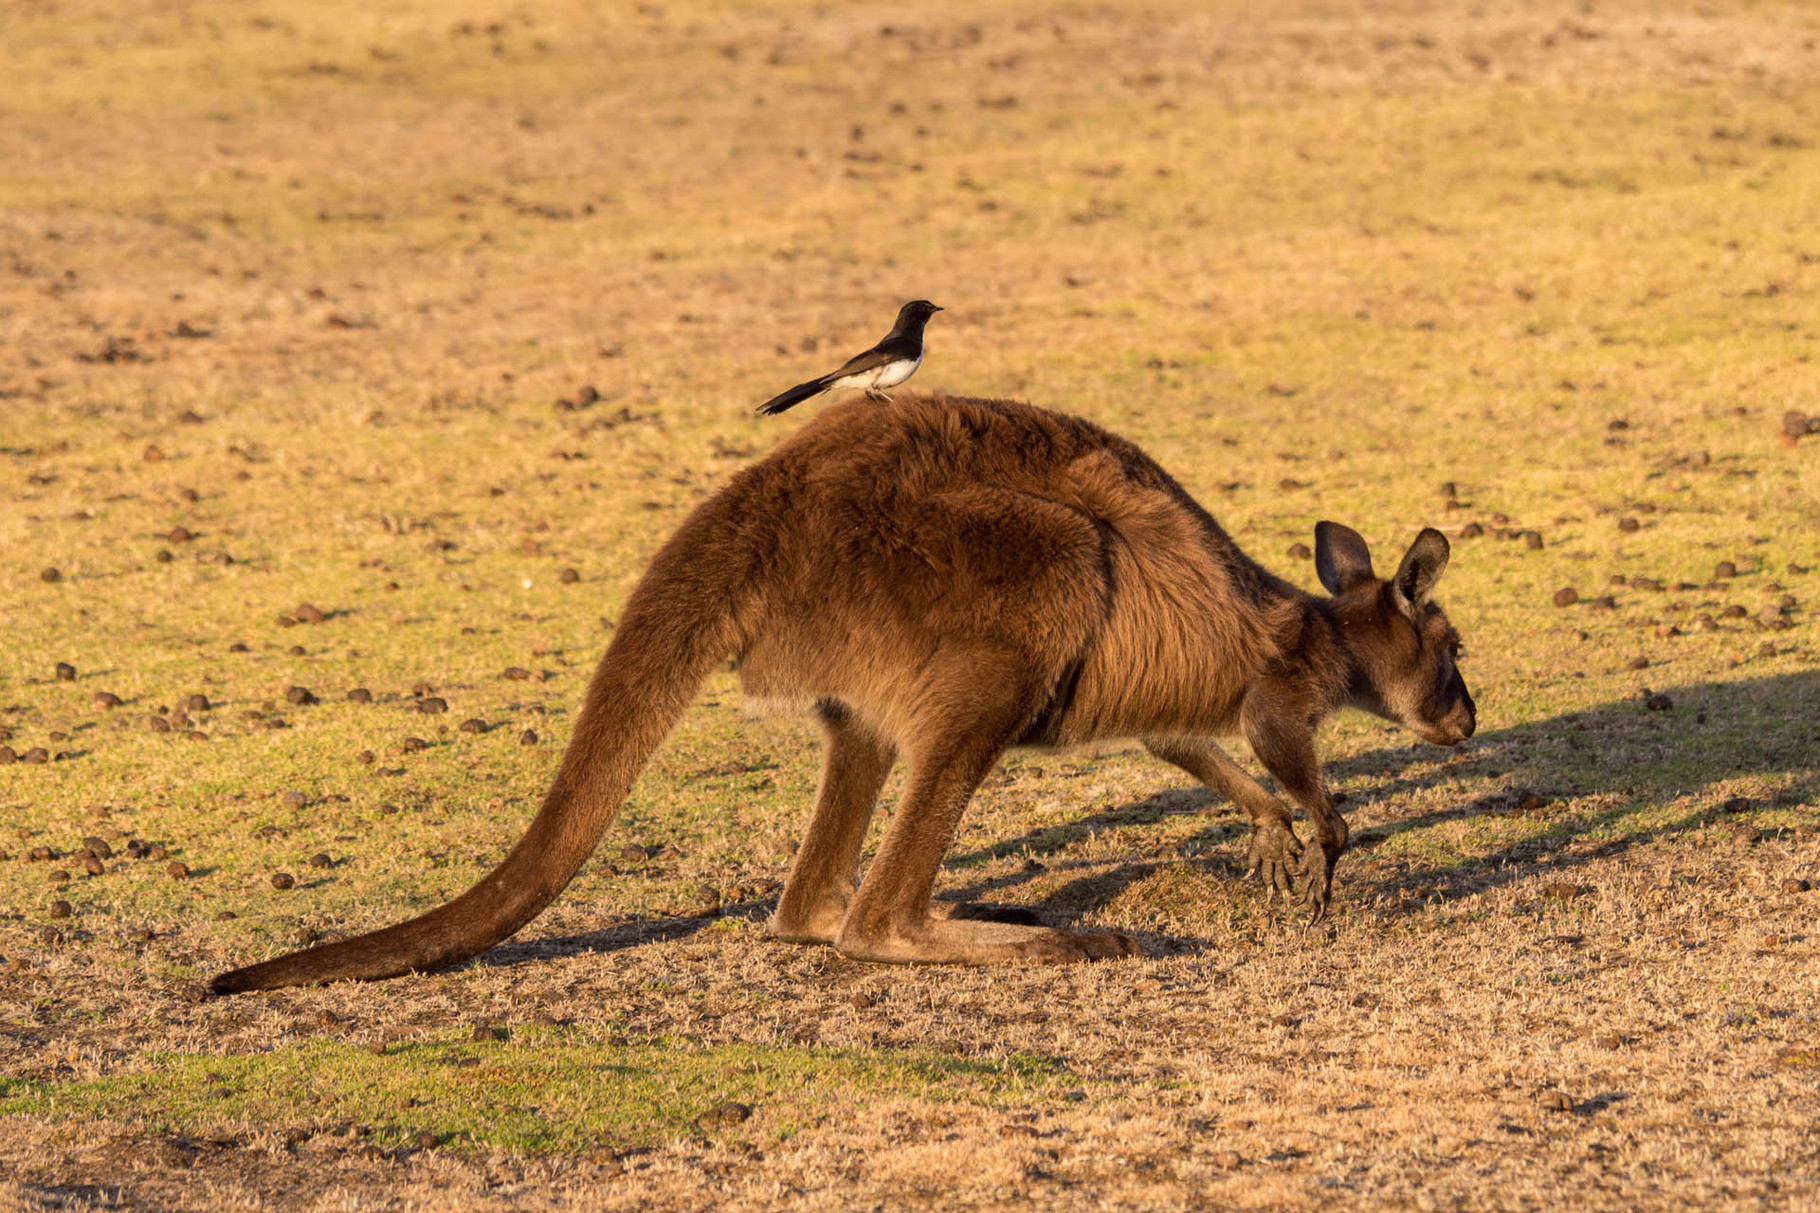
915,313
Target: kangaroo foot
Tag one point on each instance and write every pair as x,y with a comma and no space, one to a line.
973,911
967,942
1274,851
817,922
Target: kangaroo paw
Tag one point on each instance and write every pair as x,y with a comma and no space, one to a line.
1316,872
1274,851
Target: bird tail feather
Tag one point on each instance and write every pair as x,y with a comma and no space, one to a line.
794,396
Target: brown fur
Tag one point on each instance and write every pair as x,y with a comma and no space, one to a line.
943,579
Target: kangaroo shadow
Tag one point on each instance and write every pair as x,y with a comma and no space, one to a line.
1627,755
611,939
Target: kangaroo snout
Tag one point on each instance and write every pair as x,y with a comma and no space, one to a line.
1459,724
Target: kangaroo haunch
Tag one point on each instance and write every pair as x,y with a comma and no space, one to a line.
945,579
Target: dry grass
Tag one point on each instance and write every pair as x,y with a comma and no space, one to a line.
306,280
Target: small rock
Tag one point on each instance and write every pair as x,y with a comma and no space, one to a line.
528,737
294,800
422,689
107,701
1532,540
163,556
1560,890
1529,802
1300,551
98,846
1604,602
177,870
1637,663
7,755
1767,649
360,695
1627,525
1659,702
1471,530
37,754
569,576
728,1113
432,706
1795,884
1566,596
226,916
1554,1101
1734,611
197,703
412,745
51,576
365,756
59,909
487,1032
57,876
425,1140
299,695
321,860
516,673
1724,569
93,866
157,724
66,672
283,880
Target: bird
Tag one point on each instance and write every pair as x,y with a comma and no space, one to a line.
886,364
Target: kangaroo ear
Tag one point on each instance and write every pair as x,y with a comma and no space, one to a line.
1341,559
1421,568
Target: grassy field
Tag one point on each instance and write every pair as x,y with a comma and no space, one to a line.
298,303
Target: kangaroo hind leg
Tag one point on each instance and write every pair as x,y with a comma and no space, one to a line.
821,879
890,918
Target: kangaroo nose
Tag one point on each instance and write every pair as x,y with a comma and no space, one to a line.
1469,717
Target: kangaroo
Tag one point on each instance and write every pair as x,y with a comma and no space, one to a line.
943,579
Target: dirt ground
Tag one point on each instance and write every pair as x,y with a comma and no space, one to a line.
377,347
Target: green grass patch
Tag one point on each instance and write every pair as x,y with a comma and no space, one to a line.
539,1091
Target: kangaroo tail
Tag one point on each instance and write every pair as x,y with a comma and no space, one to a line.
678,624
794,396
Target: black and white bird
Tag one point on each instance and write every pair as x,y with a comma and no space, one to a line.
885,365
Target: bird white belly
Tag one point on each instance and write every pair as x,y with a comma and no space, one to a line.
894,373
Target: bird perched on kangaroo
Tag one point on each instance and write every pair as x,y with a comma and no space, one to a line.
885,365
943,579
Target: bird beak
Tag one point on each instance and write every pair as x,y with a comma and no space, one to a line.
939,309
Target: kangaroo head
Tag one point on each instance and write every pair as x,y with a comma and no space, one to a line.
1403,651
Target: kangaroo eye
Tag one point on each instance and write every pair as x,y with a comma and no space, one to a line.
1457,651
